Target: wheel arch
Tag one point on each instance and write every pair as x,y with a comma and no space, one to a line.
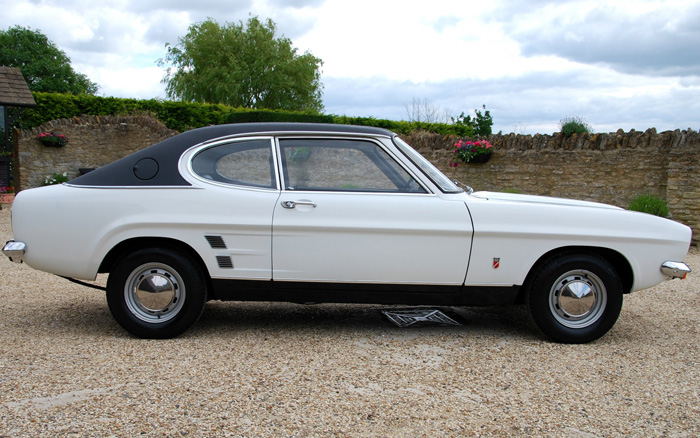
617,260
136,243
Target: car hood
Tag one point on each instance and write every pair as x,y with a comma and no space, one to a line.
542,200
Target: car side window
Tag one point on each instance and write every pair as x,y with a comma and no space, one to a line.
245,163
342,165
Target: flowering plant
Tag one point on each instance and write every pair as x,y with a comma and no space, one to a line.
5,189
54,140
56,178
472,152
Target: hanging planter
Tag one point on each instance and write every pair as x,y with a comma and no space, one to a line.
472,152
49,139
481,158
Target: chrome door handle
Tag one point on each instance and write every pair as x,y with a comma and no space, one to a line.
292,204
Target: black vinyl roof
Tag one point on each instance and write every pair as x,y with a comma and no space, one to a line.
157,165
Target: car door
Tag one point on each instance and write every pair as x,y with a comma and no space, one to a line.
234,214
349,212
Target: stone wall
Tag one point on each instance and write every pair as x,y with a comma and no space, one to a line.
611,168
93,141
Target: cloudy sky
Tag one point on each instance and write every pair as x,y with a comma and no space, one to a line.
630,64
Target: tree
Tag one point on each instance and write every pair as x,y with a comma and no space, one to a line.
43,65
242,65
481,123
425,112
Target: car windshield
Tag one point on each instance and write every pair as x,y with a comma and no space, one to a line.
427,167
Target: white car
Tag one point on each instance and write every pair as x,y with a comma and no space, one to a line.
329,213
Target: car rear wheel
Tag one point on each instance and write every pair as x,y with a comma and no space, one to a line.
575,298
156,293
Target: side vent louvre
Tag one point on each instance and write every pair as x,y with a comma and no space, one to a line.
216,242
225,262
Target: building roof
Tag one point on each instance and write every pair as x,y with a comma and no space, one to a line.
13,88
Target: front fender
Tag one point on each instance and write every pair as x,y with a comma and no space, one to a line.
520,233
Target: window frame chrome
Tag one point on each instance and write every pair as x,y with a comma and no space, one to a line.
190,154
347,136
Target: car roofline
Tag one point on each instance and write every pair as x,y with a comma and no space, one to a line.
164,156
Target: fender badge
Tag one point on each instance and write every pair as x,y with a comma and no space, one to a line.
496,263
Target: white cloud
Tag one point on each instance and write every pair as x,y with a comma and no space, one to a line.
407,41
139,83
652,38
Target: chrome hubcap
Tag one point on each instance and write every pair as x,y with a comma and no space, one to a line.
154,292
578,299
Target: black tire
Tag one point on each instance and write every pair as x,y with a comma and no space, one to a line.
575,298
156,293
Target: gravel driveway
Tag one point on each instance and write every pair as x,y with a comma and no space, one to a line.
250,369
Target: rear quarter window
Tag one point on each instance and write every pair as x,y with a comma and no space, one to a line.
244,163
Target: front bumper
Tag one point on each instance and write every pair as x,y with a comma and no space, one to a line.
14,251
675,269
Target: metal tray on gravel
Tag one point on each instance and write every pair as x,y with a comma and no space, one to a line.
418,317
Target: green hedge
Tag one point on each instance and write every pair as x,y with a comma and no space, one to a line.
182,116
252,115
403,127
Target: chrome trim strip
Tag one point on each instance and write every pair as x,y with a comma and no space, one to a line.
490,285
358,192
675,269
295,134
277,134
14,251
133,187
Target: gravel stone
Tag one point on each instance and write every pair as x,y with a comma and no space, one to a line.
274,369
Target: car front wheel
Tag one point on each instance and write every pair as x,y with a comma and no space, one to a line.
156,293
575,298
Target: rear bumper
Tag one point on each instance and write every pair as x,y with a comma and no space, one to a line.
675,269
14,251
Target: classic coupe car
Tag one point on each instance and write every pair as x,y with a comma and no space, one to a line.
328,213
